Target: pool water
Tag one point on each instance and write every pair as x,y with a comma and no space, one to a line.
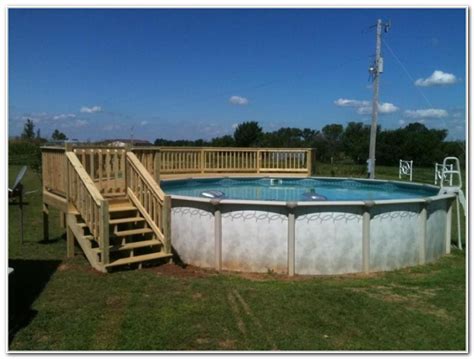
291,189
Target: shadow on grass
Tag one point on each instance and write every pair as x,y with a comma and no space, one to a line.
25,285
62,237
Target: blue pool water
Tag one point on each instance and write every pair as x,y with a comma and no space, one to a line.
295,189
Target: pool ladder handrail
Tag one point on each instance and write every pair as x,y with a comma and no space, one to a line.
455,169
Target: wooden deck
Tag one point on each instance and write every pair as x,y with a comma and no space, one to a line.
114,207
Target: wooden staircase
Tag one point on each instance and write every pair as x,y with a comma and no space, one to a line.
131,229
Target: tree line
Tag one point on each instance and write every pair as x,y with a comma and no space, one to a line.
338,143
333,143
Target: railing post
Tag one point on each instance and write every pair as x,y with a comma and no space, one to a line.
128,148
104,231
257,160
157,165
167,224
309,161
203,159
69,234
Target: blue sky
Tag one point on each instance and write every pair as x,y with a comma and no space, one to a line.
196,73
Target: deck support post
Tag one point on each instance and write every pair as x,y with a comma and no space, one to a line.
217,235
366,236
69,238
167,224
291,237
423,234
104,232
45,222
449,215
62,220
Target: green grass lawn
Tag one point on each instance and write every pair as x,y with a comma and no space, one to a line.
63,304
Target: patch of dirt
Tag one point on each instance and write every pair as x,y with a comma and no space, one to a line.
197,296
174,270
227,344
63,267
414,298
202,341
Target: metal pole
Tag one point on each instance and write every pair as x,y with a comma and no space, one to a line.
20,197
458,214
375,100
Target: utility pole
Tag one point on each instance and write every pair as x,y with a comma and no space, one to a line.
375,70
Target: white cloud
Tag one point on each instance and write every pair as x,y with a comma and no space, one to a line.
144,123
64,116
112,127
365,107
385,107
81,123
401,122
426,113
237,100
437,78
235,125
344,102
91,109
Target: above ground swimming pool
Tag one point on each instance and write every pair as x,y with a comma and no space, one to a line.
296,189
307,225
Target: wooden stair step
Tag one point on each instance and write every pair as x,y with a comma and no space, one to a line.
131,232
88,237
126,220
138,259
123,207
132,245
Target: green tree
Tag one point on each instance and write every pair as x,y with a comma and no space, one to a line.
58,136
28,130
355,141
248,134
333,134
224,141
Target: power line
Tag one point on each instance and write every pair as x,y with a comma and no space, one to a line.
406,72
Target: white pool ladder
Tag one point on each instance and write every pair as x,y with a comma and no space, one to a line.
451,167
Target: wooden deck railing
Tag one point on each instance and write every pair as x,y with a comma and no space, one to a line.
150,200
54,170
88,201
106,167
175,160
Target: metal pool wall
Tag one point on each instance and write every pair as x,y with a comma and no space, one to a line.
311,237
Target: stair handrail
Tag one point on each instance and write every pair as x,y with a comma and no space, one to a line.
149,198
87,199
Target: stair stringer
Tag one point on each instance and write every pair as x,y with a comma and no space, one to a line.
85,244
